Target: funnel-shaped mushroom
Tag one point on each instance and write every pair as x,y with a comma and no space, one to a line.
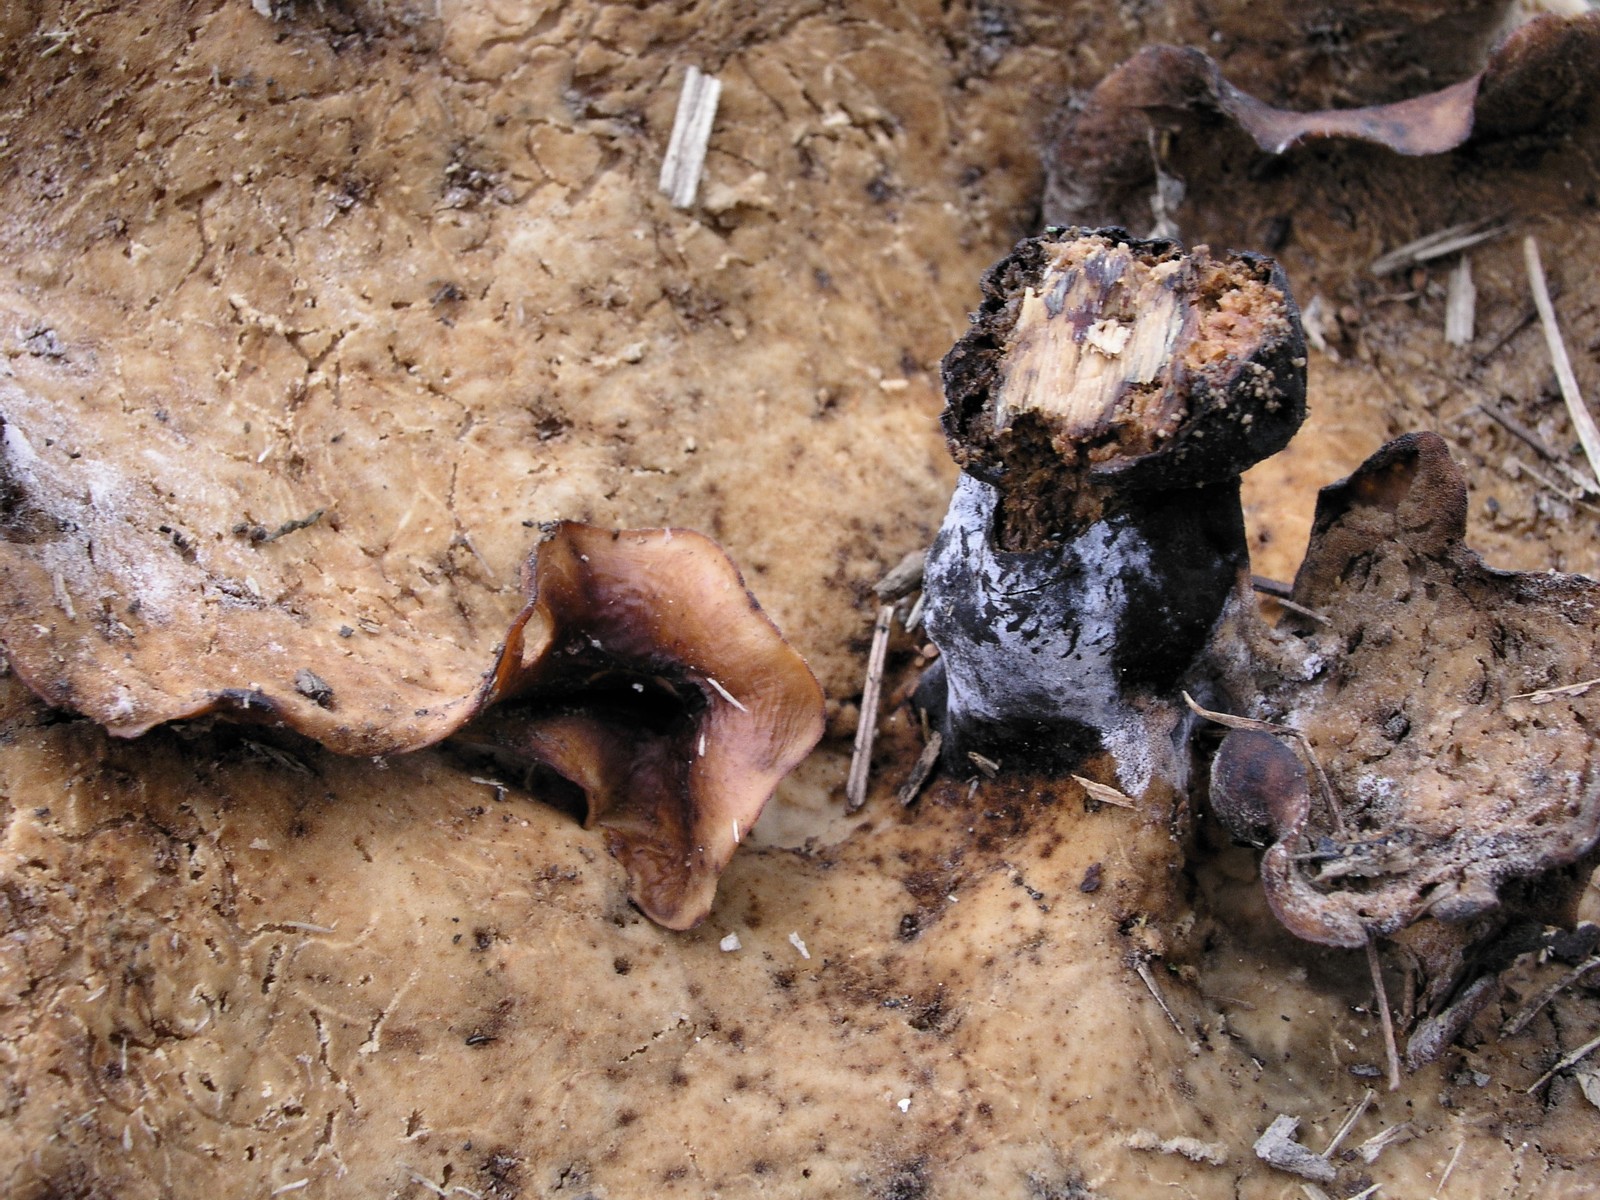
643,672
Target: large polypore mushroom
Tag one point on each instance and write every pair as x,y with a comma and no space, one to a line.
1102,408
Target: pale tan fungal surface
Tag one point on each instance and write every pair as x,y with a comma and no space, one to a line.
406,266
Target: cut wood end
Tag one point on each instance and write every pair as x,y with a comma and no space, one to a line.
1102,321
1110,342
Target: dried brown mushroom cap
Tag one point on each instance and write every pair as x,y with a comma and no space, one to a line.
643,672
734,707
1543,71
1468,791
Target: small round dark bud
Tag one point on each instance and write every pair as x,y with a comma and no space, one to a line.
1256,782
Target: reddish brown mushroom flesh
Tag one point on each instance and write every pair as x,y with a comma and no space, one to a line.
643,672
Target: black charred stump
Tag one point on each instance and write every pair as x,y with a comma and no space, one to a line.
1102,407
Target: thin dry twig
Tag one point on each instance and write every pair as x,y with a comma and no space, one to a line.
925,763
1278,1148
1515,468
1545,695
1375,1145
914,617
1310,614
1355,1114
1518,430
1582,421
1445,1178
1281,593
1438,244
1533,1007
1275,588
855,789
1229,721
1460,305
1528,317
691,133
987,767
1384,1017
1104,793
903,578
1145,974
1572,1059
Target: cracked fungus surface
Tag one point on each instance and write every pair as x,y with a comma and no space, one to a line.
413,276
405,265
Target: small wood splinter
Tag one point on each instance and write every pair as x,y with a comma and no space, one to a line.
855,790
691,133
1582,421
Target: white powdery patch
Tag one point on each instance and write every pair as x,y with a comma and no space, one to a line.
1052,628
1375,789
109,540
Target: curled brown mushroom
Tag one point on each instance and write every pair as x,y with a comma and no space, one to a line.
640,669
1465,781
643,672
1542,70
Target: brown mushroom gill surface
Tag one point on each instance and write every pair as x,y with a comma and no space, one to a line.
233,965
643,672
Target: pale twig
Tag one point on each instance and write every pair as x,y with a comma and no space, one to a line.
926,761
1581,420
988,767
1460,305
1310,614
1228,720
1438,244
914,617
1575,1057
1571,497
726,694
1356,1113
1104,793
855,788
1531,1009
1280,593
1379,1142
1143,969
1384,1018
691,133
1445,1178
1277,1148
1545,695
903,578
1584,483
